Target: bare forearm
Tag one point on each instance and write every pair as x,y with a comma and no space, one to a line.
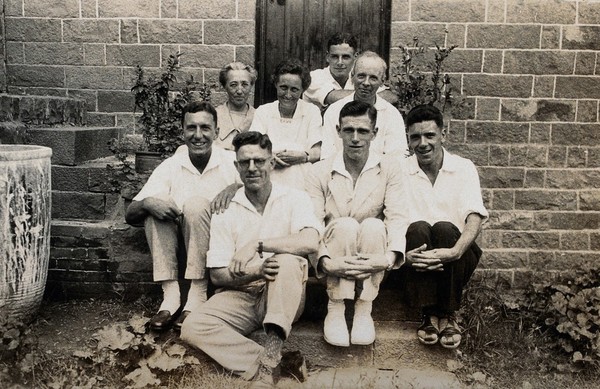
136,213
223,277
302,243
469,234
336,95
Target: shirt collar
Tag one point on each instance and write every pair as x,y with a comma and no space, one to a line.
214,161
339,166
449,163
240,197
379,102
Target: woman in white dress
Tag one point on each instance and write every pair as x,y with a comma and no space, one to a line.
235,115
293,125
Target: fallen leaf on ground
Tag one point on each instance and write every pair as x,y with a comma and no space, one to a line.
141,377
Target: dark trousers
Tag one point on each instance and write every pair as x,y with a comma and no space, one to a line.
435,292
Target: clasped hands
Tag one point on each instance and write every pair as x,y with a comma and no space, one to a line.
287,158
422,259
354,267
240,264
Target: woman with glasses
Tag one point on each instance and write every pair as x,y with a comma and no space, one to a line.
293,125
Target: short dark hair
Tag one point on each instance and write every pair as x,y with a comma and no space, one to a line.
236,66
252,138
358,108
343,37
425,113
198,106
292,66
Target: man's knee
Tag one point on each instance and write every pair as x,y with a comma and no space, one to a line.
344,228
289,262
196,206
197,326
373,226
420,228
444,228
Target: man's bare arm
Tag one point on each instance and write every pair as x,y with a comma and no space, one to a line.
337,94
160,209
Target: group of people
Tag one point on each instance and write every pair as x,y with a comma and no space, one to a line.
326,177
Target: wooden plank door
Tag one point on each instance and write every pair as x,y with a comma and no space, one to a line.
300,29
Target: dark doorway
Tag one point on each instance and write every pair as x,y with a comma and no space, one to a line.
301,28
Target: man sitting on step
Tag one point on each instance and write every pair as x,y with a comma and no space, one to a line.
257,259
359,195
177,200
446,213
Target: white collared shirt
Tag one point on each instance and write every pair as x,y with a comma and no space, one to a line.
390,138
288,211
322,82
178,178
455,194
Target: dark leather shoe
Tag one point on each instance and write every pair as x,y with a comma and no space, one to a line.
179,322
161,321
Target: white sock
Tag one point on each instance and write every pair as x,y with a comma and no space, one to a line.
171,296
196,295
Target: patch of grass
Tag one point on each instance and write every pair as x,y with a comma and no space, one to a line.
504,347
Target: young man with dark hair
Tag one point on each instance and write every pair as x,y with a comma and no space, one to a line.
359,196
446,213
257,260
333,83
176,201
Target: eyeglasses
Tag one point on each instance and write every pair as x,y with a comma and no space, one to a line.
258,162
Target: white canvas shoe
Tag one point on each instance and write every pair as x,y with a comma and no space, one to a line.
363,328
335,328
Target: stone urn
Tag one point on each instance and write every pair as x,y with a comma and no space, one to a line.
24,228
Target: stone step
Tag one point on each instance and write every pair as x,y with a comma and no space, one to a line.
13,133
42,109
75,145
395,345
90,176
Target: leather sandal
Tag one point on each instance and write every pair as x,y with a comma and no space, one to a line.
447,335
430,327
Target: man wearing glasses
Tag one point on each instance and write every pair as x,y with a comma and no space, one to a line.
257,258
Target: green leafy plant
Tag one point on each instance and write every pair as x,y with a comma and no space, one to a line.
420,78
570,308
161,106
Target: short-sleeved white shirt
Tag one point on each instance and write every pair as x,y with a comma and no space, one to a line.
322,82
288,211
178,178
455,194
299,133
391,136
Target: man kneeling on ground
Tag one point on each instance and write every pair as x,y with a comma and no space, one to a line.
257,258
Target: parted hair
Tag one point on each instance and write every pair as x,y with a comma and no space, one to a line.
358,108
341,38
424,113
292,66
237,66
198,106
252,138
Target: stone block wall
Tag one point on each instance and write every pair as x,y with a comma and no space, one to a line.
88,49
529,70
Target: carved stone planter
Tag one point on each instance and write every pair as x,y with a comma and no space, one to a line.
24,228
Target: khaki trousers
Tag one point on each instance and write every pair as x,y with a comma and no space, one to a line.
345,236
221,326
163,238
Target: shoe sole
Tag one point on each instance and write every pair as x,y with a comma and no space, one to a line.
336,344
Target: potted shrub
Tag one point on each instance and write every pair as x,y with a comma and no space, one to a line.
420,79
160,110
